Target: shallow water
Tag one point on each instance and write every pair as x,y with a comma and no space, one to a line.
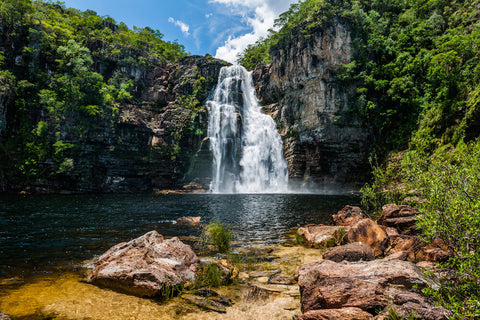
44,240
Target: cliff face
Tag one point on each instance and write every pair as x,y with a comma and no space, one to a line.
146,144
324,143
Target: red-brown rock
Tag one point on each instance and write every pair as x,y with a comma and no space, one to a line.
368,232
350,252
366,285
400,243
407,304
399,216
147,266
347,216
319,236
336,314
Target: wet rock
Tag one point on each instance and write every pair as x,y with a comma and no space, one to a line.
214,296
347,216
351,252
148,266
189,221
318,236
368,232
407,304
399,216
366,285
205,303
3,316
259,294
229,271
281,279
334,314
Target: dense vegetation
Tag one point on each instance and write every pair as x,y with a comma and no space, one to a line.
417,70
60,81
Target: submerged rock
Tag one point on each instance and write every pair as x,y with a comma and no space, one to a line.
351,252
189,221
148,266
366,285
205,303
318,236
334,314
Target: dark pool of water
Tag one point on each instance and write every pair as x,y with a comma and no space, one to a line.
38,233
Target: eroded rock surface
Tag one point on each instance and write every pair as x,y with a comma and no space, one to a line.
148,266
347,216
317,235
335,314
350,252
368,232
366,285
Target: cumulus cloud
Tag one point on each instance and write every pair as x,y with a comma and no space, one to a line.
258,15
182,25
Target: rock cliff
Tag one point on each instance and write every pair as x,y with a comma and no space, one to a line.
325,144
147,144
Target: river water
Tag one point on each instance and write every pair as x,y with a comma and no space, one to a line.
40,233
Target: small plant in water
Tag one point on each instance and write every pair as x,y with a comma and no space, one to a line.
219,235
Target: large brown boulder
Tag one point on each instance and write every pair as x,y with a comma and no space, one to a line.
407,304
398,216
368,232
350,252
366,285
148,266
318,236
347,216
335,314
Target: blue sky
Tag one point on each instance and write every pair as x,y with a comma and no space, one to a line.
222,28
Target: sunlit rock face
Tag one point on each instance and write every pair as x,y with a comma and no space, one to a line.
324,142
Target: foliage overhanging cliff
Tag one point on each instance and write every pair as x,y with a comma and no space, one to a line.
87,104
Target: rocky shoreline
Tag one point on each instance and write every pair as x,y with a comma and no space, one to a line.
355,268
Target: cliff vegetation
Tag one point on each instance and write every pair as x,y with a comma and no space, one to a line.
84,102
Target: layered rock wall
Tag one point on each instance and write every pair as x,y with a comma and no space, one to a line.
325,143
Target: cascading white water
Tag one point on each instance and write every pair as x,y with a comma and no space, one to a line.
247,149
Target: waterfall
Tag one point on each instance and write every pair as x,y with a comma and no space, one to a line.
247,149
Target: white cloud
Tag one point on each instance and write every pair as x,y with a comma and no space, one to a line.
183,26
208,15
258,15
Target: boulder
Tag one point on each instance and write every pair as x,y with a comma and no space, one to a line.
334,314
398,216
400,243
368,232
347,216
366,285
148,266
189,221
318,236
407,304
350,252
